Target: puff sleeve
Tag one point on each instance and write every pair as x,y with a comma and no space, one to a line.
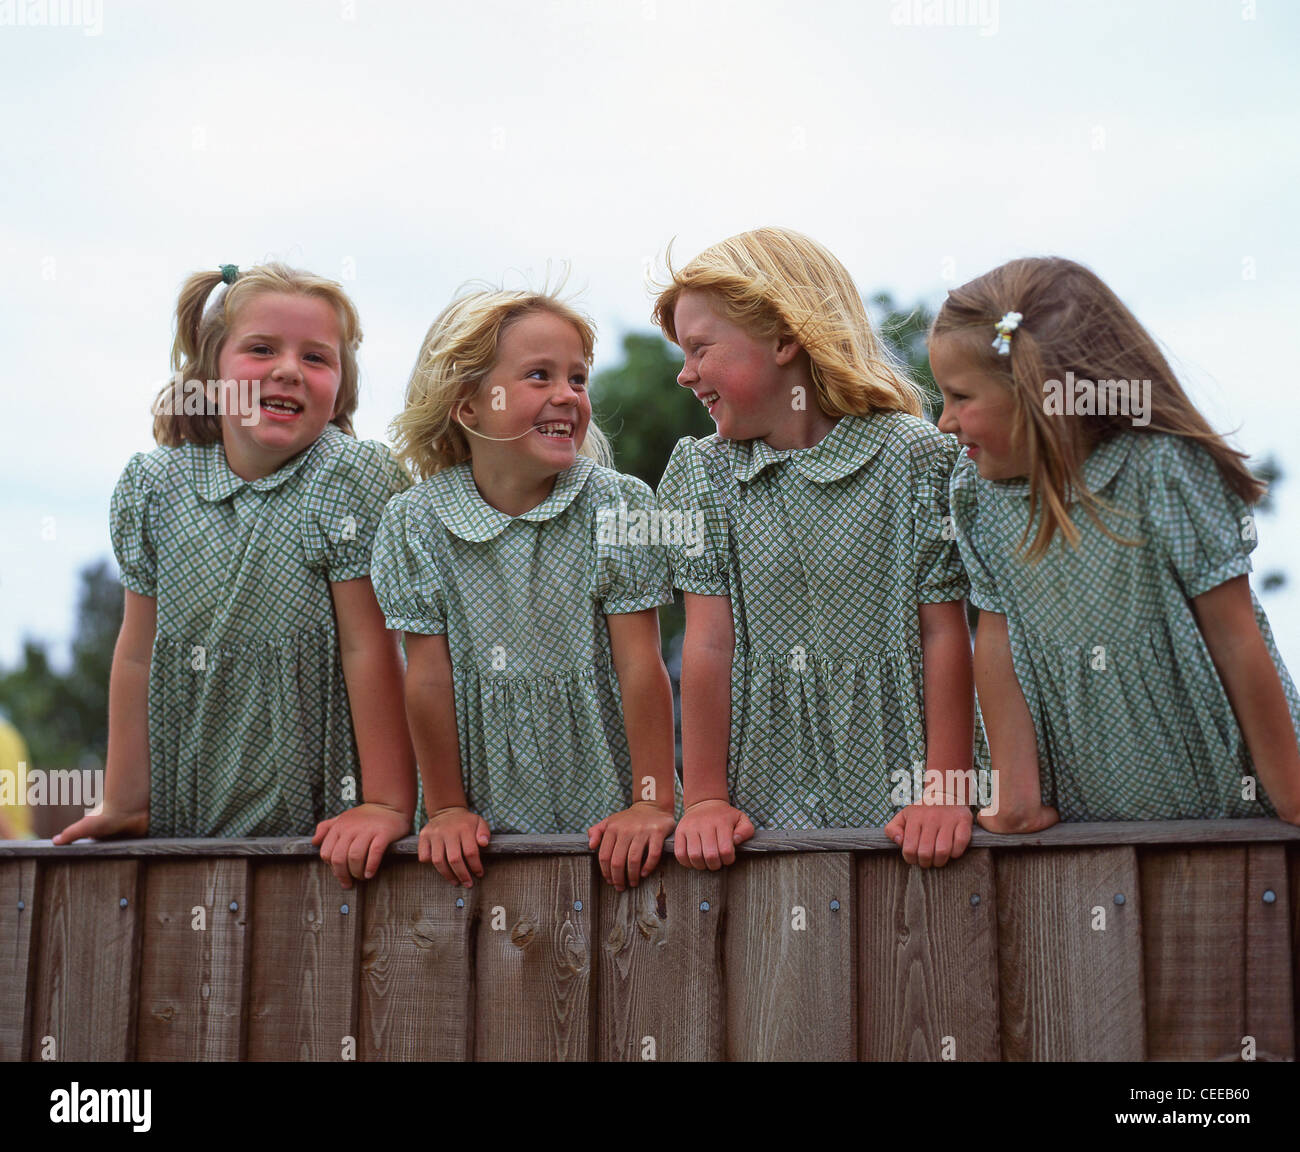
342,505
940,574
129,528
405,572
963,491
699,560
631,564
1202,526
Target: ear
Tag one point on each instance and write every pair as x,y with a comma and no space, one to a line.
463,412
787,348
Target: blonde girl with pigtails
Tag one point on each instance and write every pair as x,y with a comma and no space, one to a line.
827,664
1125,670
254,689
536,693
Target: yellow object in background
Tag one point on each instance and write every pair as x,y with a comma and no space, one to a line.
15,819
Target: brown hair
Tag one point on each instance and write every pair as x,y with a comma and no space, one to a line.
458,352
1072,322
773,281
201,334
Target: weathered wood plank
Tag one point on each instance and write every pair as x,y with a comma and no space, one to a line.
1293,885
18,905
533,953
789,959
660,971
928,959
194,960
83,1005
1070,957
1269,963
815,840
417,977
1194,935
305,963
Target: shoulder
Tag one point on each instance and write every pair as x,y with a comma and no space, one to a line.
607,485
367,465
148,472
920,443
697,463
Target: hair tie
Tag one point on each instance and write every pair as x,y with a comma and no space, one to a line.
230,273
1008,324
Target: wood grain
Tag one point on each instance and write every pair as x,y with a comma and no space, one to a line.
660,971
417,968
533,997
18,905
928,959
305,960
194,966
1071,989
1269,963
1195,930
789,991
86,956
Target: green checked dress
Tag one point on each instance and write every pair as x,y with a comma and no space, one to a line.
1131,718
522,601
250,733
827,554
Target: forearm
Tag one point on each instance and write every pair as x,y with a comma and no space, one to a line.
1013,743
373,675
431,714
127,767
948,686
1258,701
648,716
706,722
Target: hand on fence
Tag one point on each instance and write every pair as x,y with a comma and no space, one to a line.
627,836
450,842
354,842
1016,822
708,833
931,834
102,823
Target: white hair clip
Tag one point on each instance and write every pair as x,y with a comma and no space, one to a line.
1008,324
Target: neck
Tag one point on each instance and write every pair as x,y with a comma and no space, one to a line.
505,489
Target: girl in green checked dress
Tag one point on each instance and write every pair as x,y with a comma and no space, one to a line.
521,571
1125,669
254,690
827,661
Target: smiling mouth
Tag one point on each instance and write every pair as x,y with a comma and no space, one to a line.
557,430
709,399
281,407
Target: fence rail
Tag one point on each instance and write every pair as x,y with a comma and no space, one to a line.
1085,942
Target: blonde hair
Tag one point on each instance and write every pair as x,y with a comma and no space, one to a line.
200,336
459,350
1072,322
774,281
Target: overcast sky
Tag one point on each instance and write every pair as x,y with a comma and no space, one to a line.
408,147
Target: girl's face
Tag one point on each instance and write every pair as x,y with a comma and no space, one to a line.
978,409
290,344
733,374
537,392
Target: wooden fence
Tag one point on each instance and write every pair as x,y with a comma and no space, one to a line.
1086,942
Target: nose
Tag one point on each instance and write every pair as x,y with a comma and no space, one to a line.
947,422
286,368
687,376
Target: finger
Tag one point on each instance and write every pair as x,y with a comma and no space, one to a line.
943,843
961,838
606,852
695,850
438,851
899,834
709,844
456,862
595,832
925,844
726,845
469,850
911,839
321,830
377,849
654,853
679,846
356,855
338,861
484,835
424,852
618,862
744,829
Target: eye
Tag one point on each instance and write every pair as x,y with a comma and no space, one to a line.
260,348
320,357
578,380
